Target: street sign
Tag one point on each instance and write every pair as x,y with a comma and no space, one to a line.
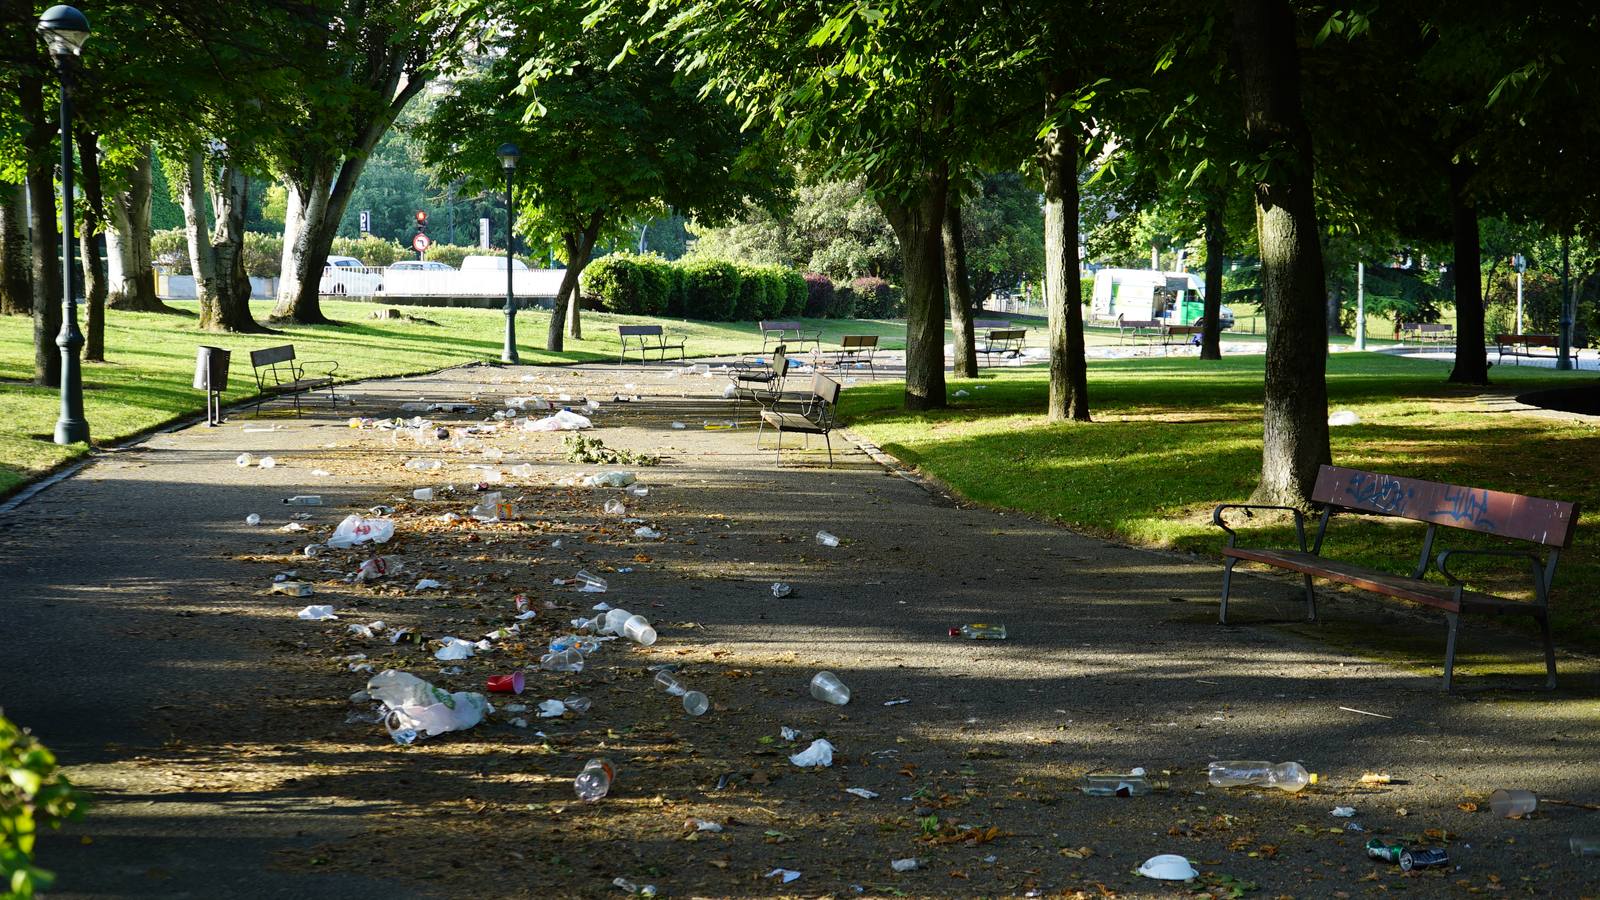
366,221
420,242
483,233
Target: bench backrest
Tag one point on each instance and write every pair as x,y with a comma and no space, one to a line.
991,323
1548,522
780,326
1531,340
1010,334
271,356
639,330
1138,323
858,341
1424,326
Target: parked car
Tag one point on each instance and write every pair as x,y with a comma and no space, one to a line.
421,265
347,275
491,263
418,276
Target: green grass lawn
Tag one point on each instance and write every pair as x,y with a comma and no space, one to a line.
1174,437
146,379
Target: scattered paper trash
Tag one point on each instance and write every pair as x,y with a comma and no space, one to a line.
647,533
787,875
896,701
788,733
292,588
252,519
561,421
1343,812
818,755
1168,867
904,865
454,648
638,890
962,394
427,584
317,613
863,793
1344,417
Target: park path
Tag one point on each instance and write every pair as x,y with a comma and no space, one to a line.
210,722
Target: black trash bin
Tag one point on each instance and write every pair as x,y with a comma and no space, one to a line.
211,376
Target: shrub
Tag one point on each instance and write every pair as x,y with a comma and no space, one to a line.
451,254
263,254
844,305
819,295
795,291
678,291
876,298
711,289
752,294
624,283
659,279
776,291
34,796
171,248
372,251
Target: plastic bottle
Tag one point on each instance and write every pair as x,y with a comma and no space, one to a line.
827,687
827,540
980,631
304,500
244,459
1112,784
594,781
1289,776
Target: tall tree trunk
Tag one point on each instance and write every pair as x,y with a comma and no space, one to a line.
16,283
309,227
1069,370
129,269
959,290
1295,411
46,237
202,260
579,245
1472,355
1216,241
919,224
217,253
89,230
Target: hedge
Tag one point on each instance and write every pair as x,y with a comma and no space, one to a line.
876,299
711,289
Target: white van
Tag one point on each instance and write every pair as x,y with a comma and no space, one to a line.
1144,295
491,264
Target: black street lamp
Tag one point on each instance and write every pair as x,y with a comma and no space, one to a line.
508,160
65,30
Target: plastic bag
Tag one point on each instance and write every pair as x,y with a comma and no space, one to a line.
356,530
610,479
561,421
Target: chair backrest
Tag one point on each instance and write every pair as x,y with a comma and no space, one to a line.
1548,522
858,341
779,326
638,330
271,355
780,361
825,389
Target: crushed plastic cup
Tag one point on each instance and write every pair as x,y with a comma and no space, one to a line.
252,519
422,494
827,540
588,583
578,704
424,465
613,621
506,684
244,459
639,630
645,532
1168,867
781,590
568,660
267,462
1513,804
615,507
827,687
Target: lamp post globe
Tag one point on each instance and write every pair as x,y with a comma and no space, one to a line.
64,30
508,160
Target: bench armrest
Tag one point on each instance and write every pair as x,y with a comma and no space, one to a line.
332,365
1535,564
1220,522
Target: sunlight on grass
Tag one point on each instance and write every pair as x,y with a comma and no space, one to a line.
1174,437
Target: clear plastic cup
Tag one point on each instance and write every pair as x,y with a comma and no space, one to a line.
422,494
1513,804
568,660
1585,845
827,540
589,583
614,620
695,703
639,630
615,507
669,683
827,687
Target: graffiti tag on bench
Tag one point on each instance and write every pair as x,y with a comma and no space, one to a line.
1476,509
1380,492
1467,506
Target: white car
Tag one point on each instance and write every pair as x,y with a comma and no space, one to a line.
420,265
491,264
347,275
418,276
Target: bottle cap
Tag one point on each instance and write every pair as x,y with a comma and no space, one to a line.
1312,779
955,632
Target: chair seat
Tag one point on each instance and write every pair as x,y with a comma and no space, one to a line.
784,421
760,377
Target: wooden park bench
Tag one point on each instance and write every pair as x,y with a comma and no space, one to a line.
1426,332
1004,342
788,334
1149,331
1181,335
643,338
279,374
991,324
1546,524
1519,345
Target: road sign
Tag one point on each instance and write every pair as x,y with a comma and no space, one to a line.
366,221
420,242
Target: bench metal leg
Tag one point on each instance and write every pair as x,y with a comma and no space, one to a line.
1227,582
1311,601
1454,621
830,448
1549,654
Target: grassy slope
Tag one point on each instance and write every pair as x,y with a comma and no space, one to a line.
146,381
1174,437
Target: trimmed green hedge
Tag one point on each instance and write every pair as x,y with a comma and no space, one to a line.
706,289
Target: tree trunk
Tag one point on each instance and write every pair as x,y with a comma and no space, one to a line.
1295,411
1335,309
959,290
919,224
1216,240
45,236
131,276
89,228
16,283
579,245
1069,370
217,253
1472,356
308,231
202,260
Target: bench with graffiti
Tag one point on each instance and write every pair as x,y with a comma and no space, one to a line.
1534,532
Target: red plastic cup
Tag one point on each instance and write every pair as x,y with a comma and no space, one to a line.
505,684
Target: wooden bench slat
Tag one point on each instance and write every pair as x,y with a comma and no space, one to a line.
1547,522
1413,589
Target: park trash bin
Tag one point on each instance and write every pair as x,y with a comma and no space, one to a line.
211,376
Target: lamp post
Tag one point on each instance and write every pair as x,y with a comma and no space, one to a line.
508,161
1520,263
65,30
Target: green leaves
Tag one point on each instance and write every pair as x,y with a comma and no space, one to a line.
32,794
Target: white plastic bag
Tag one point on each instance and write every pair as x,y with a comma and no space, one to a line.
417,705
610,479
454,648
317,613
819,754
356,530
561,421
